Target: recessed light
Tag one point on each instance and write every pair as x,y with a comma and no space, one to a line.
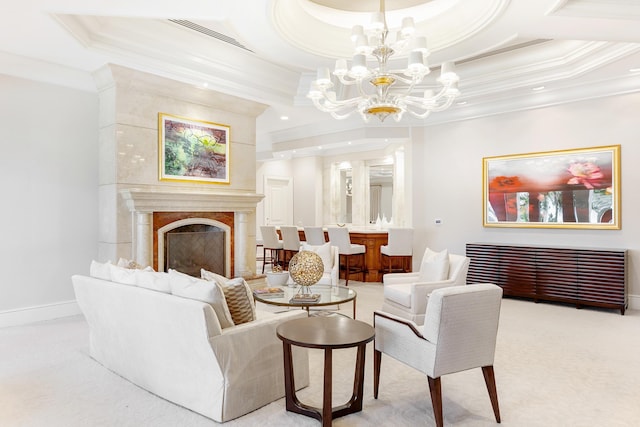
538,88
284,117
634,70
205,84
319,147
348,142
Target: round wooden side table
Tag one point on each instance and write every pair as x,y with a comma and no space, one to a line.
327,333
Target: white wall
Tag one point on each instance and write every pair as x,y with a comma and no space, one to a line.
306,174
307,191
49,214
447,162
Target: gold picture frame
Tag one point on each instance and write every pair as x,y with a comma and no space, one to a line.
192,150
578,188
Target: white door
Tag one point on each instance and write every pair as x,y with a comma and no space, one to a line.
278,201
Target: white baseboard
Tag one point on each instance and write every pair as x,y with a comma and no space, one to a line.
633,302
23,316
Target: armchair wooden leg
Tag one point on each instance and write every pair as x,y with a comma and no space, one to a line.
436,399
377,359
490,381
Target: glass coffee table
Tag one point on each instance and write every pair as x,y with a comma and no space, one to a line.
329,295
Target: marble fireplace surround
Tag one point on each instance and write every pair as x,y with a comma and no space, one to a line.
172,208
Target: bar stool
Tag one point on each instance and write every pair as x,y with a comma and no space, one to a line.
290,243
314,236
400,247
340,237
271,243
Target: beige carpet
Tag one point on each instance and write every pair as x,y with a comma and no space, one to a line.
555,366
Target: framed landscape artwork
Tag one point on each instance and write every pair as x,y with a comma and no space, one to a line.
192,150
556,189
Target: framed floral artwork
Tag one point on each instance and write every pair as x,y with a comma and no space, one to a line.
577,188
192,150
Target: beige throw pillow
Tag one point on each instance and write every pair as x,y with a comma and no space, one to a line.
186,286
100,270
237,294
435,267
239,300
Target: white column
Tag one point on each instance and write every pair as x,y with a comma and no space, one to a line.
144,239
240,245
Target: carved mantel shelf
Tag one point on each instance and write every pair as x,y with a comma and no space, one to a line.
147,201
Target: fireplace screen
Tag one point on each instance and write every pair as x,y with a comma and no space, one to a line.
192,247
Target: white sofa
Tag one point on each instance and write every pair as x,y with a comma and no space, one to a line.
175,348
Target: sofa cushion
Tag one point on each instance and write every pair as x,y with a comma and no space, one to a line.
154,280
435,267
187,286
125,276
324,251
239,299
100,270
399,293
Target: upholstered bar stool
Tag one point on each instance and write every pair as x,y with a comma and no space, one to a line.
399,248
271,243
290,243
340,237
314,236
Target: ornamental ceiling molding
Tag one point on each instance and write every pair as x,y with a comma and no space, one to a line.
298,23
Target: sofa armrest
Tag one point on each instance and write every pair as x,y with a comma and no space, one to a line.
250,349
420,294
400,278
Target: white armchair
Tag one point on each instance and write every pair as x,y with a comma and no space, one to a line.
406,294
459,333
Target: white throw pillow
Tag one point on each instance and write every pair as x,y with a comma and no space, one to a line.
186,286
154,280
125,276
435,267
100,270
324,251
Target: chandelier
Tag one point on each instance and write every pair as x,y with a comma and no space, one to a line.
391,91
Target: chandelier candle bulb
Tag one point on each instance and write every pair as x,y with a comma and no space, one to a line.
341,67
420,43
359,66
416,63
408,27
362,44
357,31
378,22
323,76
448,73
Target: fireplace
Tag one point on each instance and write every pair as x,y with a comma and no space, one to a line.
190,248
166,224
157,212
